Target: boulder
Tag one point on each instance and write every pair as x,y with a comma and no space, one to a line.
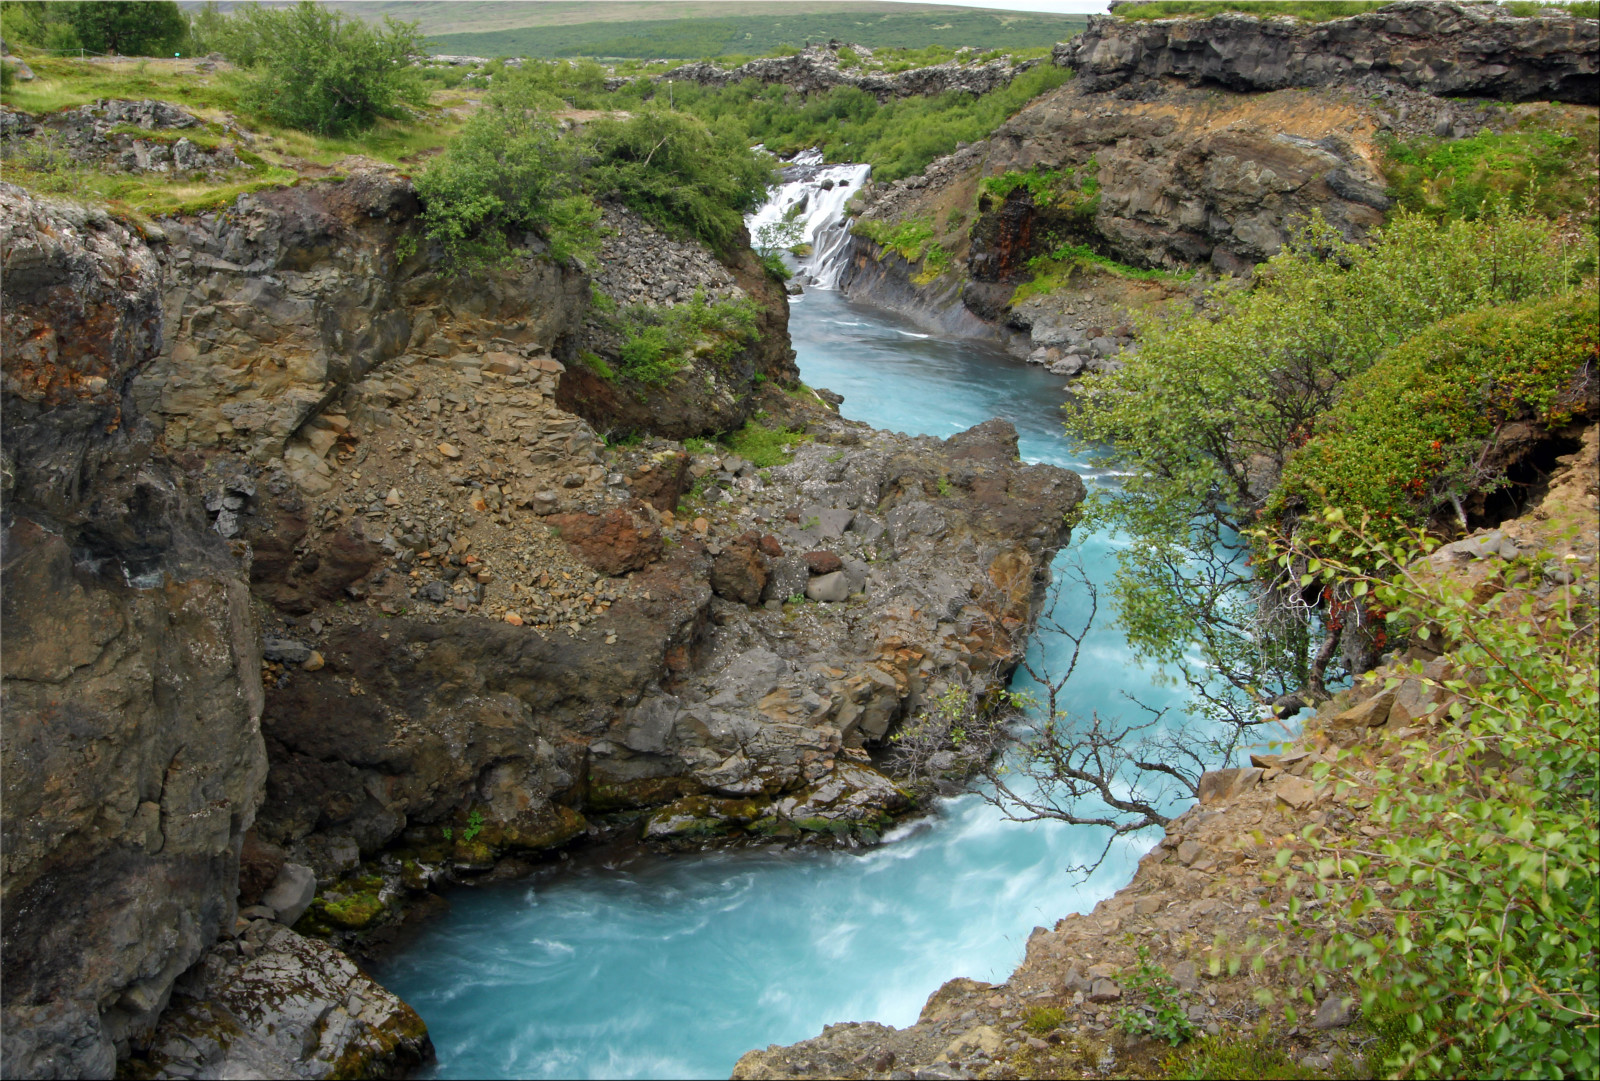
620,540
739,573
297,1008
291,892
831,588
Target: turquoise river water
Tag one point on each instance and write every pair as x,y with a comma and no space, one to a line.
672,966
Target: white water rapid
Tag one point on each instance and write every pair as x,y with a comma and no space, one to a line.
813,196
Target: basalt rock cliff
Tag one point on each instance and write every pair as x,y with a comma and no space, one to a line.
133,758
818,68
1190,145
1445,49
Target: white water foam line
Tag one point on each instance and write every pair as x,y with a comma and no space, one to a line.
820,193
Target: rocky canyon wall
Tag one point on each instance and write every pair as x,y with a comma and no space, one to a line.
133,757
323,589
1444,49
1188,143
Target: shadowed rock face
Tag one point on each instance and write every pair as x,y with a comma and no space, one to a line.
1442,48
133,758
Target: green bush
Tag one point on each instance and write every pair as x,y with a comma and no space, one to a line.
508,172
657,342
1167,1019
678,172
129,28
1416,430
314,69
897,138
912,240
1471,912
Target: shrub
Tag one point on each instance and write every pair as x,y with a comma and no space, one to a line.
1215,401
678,172
508,172
1166,1019
1547,164
1471,913
129,28
1417,429
315,69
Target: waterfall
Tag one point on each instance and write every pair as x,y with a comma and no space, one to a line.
814,195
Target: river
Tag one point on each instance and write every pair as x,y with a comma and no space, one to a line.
638,965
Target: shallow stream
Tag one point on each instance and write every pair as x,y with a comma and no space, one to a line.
630,965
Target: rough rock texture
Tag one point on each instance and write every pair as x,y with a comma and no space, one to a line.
271,1003
641,268
1447,49
816,68
1198,904
133,759
99,135
277,305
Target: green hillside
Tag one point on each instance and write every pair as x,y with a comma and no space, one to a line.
479,16
756,35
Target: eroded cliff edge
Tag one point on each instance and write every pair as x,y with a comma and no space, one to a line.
1191,149
323,590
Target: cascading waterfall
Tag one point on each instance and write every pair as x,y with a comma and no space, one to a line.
814,195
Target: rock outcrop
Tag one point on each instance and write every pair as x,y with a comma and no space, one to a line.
817,68
270,1003
1445,49
1201,144
133,758
133,136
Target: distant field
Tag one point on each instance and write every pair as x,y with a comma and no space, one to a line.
477,16
726,35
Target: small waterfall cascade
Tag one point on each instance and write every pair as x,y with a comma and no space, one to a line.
813,197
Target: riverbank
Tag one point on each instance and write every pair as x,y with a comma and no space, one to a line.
1204,939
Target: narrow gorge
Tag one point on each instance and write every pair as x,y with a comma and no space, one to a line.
586,661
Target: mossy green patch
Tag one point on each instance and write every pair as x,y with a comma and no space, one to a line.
765,447
1416,430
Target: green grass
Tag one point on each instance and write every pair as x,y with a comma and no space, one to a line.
731,36
765,447
1234,1058
912,240
1056,271
1311,11
66,83
272,160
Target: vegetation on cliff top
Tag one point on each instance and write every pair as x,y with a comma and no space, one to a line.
1314,11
